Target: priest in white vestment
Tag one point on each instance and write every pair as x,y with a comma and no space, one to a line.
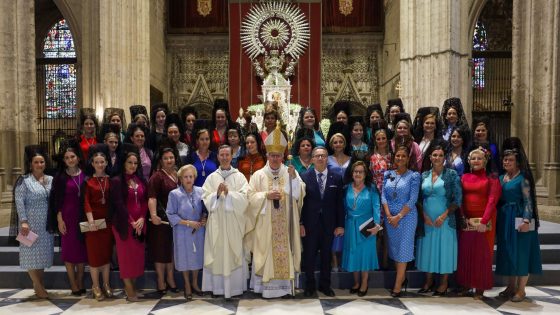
225,269
273,222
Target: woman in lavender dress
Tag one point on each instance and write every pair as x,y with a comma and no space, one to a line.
65,209
187,216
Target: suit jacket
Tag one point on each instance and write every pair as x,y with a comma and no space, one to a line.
328,209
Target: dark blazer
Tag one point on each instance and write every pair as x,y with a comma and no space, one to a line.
329,209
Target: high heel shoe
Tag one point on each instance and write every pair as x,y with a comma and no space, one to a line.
188,296
354,290
430,288
171,289
97,294
438,293
197,292
362,293
107,290
403,285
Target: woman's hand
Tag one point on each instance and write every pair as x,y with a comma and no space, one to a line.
394,221
440,220
24,228
374,229
61,226
138,225
203,221
156,220
195,224
481,228
92,226
428,221
524,227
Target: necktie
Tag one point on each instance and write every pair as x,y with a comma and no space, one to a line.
320,182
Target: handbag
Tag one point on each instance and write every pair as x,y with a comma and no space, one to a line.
100,223
473,223
27,240
161,213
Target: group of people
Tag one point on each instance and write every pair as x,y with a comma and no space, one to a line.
234,203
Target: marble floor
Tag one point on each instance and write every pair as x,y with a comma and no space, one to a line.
541,300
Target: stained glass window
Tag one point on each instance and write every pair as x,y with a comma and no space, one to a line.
480,43
60,73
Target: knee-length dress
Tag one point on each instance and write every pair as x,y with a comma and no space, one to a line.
32,204
130,251
99,244
518,253
160,237
360,252
480,196
398,191
437,250
73,249
188,247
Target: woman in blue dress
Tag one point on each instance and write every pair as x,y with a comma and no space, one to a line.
308,119
399,195
358,143
187,216
361,203
441,195
518,252
31,195
458,149
203,159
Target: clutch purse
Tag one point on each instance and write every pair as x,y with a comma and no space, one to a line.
473,223
519,221
100,223
369,224
27,240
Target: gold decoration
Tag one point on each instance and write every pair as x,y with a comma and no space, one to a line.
345,7
204,7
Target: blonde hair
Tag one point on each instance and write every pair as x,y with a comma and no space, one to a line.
185,168
338,134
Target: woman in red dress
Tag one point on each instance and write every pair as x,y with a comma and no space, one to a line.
129,206
481,192
87,131
99,242
254,158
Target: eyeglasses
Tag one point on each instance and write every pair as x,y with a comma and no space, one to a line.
320,156
358,172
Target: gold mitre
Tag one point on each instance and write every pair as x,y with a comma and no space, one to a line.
276,142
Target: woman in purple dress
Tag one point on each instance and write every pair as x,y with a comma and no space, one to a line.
65,214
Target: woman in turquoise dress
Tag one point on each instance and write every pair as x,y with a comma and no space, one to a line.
518,252
301,152
441,195
362,203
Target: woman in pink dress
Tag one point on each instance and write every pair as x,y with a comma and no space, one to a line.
129,205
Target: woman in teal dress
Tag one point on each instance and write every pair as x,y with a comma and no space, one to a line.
362,203
518,252
301,152
441,195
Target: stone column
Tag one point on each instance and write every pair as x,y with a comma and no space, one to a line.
434,52
115,54
536,90
18,89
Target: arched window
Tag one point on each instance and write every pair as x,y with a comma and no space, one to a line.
480,43
59,58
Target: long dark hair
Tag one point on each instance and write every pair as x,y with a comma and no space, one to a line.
514,146
258,140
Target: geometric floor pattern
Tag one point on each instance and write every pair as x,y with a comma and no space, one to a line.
541,300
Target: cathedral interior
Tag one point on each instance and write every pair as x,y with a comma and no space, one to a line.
500,57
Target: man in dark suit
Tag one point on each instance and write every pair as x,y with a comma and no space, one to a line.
322,218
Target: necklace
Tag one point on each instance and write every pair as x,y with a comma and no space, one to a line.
508,178
88,142
433,181
203,162
357,191
252,161
78,183
172,177
103,186
395,187
132,184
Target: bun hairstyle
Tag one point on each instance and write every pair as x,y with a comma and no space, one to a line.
68,145
99,149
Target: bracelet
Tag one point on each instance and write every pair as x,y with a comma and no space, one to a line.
399,215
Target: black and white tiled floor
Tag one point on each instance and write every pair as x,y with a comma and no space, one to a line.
541,300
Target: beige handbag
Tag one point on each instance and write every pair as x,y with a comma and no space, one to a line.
100,223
